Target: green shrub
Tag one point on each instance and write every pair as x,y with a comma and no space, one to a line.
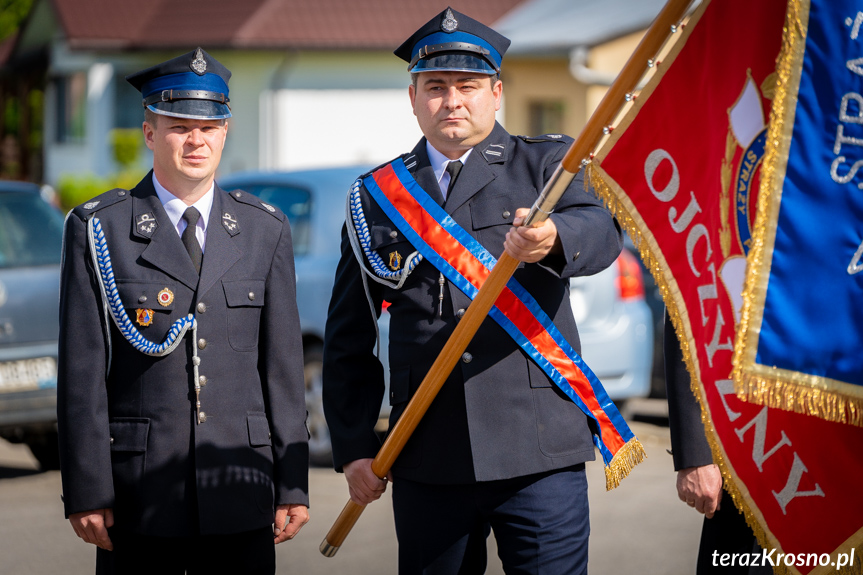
75,189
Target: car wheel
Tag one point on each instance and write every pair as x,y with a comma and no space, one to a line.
45,449
320,447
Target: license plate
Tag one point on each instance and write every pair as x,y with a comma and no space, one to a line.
28,374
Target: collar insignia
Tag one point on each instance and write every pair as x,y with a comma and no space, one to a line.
230,223
146,224
449,24
198,65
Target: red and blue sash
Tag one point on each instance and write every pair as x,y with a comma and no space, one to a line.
467,264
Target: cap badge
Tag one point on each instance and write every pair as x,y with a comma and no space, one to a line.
145,317
449,24
166,297
395,261
198,65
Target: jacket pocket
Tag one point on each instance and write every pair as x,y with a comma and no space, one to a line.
259,430
146,295
129,434
244,299
399,384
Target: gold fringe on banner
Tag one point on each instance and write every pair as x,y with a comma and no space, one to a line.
617,202
627,457
820,397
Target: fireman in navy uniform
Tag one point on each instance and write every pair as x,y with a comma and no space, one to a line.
501,448
181,405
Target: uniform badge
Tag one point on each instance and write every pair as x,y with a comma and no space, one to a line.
395,261
91,205
230,223
268,207
449,24
145,317
198,65
146,224
166,297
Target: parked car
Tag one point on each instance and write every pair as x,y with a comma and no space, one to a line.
31,234
314,201
615,325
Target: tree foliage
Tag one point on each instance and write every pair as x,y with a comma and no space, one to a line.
12,13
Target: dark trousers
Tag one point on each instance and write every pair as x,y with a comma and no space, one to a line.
727,532
541,524
249,553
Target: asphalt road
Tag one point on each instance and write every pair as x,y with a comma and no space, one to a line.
640,527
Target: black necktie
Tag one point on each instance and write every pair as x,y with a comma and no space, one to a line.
453,169
192,215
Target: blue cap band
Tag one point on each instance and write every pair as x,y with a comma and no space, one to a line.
458,36
185,81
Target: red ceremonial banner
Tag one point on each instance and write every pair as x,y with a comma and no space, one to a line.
681,172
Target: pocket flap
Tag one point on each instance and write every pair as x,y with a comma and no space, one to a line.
146,295
494,211
259,429
129,434
244,293
400,378
384,235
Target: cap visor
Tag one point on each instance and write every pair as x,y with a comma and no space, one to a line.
192,109
454,62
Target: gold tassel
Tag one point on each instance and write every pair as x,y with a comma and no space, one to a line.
800,398
627,457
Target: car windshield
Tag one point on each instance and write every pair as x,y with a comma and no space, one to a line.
31,231
297,205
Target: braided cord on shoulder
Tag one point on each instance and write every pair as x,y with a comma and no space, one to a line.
364,237
110,295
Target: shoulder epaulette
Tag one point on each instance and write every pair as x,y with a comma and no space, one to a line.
561,138
102,201
253,200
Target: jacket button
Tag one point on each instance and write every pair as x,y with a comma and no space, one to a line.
202,343
121,193
202,417
394,234
202,307
112,441
505,214
237,194
202,379
251,296
466,357
142,299
460,313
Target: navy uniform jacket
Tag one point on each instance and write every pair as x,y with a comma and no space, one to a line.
498,415
128,433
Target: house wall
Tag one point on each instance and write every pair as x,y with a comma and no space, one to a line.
530,80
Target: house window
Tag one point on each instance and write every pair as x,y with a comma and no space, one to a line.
71,93
546,117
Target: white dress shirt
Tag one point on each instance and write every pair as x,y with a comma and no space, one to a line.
439,162
175,208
